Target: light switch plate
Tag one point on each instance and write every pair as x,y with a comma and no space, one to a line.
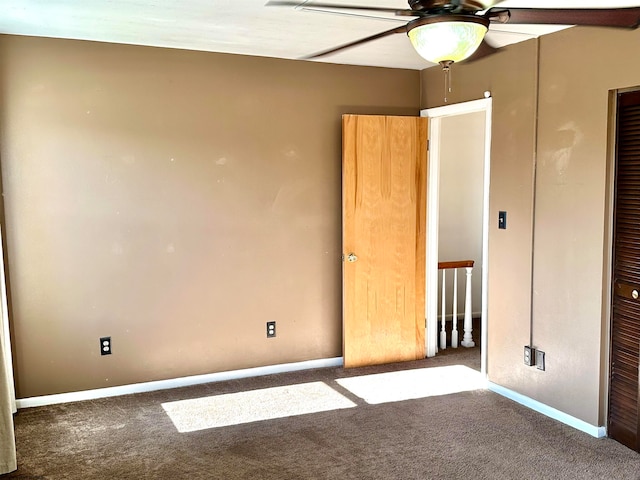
540,360
502,220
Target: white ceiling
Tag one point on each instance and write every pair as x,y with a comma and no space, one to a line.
247,27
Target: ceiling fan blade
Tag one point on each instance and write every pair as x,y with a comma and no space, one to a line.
597,17
302,4
402,29
484,50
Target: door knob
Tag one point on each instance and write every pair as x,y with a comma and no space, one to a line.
627,291
352,257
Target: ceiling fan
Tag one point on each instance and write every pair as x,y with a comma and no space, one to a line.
448,31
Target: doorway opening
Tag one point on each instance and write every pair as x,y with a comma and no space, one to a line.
441,121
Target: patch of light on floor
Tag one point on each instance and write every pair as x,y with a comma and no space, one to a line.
411,384
254,406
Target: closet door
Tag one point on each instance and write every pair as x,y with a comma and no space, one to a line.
384,217
624,413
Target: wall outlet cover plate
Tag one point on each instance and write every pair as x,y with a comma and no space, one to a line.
105,346
271,329
529,356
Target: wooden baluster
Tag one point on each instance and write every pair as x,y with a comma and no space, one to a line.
454,332
467,340
443,333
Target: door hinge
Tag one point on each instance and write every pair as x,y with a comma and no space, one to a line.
428,144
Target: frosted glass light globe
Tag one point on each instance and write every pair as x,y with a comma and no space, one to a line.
447,41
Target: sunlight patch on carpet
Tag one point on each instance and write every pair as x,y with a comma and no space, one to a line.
254,406
412,384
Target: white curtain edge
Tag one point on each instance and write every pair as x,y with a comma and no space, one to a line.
8,460
5,337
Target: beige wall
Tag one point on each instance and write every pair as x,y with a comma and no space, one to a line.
460,203
578,67
510,76
175,201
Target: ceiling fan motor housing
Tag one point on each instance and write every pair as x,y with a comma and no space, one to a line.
451,6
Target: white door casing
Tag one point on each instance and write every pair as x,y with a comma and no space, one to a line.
435,116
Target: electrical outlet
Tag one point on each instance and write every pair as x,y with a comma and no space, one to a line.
105,346
529,356
271,329
539,360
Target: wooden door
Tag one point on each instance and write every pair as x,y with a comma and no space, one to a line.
624,413
384,218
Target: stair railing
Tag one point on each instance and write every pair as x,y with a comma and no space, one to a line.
467,339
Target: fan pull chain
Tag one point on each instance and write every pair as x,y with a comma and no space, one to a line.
447,84
446,68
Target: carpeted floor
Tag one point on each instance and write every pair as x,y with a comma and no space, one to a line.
467,435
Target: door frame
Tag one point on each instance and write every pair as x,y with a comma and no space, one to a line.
435,116
608,257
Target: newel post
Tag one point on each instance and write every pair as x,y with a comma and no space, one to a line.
443,333
467,340
454,331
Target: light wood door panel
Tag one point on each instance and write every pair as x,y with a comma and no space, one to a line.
384,218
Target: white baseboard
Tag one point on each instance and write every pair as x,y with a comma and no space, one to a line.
175,382
540,407
551,412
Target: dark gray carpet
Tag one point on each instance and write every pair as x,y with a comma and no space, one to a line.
471,435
